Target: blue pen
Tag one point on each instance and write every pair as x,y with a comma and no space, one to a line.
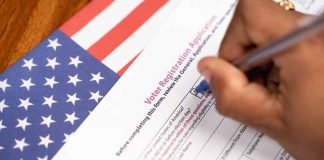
310,25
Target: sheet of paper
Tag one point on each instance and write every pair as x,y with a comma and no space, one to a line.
153,111
314,7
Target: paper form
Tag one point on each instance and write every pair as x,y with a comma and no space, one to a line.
314,7
153,112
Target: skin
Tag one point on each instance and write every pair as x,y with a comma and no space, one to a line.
288,102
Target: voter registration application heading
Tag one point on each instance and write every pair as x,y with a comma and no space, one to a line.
153,111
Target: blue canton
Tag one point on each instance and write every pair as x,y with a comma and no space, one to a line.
46,95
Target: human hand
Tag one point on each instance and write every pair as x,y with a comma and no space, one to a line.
291,110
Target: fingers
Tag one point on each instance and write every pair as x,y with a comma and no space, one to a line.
247,102
235,39
250,28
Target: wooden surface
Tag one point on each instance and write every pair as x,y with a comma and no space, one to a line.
24,23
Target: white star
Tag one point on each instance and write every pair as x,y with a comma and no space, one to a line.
4,85
75,61
1,148
3,105
67,137
74,79
49,101
47,120
21,144
96,77
95,96
72,98
27,83
23,123
50,82
25,103
29,64
52,63
45,141
2,126
44,158
53,44
71,118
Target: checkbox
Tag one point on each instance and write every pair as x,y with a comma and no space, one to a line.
196,94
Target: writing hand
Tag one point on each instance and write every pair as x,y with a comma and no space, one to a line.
289,104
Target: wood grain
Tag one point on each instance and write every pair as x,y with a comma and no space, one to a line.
24,23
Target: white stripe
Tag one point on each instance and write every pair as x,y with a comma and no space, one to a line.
104,22
140,39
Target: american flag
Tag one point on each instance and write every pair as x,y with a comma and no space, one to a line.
116,32
47,94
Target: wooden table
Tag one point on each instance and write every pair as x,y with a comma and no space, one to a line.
24,23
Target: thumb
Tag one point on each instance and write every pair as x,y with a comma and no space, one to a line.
240,99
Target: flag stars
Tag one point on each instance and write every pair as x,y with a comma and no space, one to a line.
52,63
21,144
47,121
3,105
23,123
29,64
36,93
75,61
74,79
49,101
27,83
45,141
25,103
71,118
72,98
95,96
67,137
2,126
53,44
4,85
96,77
50,82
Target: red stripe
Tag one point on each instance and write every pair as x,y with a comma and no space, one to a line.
123,70
83,17
111,40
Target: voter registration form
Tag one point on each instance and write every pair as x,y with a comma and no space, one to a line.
153,112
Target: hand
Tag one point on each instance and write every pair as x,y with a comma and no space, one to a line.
292,112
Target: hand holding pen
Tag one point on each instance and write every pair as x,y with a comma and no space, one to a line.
294,114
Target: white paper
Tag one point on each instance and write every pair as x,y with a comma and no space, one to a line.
153,111
313,7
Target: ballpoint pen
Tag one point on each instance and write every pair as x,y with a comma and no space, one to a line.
308,26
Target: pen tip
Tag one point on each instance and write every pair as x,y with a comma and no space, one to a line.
202,87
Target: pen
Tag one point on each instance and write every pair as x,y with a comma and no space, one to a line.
308,26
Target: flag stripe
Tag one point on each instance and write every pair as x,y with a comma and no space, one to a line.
123,70
125,28
129,48
104,22
84,16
